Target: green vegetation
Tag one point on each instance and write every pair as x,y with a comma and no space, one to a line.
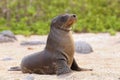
34,16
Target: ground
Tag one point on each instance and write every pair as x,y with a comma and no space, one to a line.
105,60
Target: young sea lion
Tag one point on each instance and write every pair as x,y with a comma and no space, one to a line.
57,57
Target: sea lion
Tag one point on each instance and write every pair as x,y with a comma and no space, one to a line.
57,57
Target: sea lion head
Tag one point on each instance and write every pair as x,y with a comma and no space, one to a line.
64,21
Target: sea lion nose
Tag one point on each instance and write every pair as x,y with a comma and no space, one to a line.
74,15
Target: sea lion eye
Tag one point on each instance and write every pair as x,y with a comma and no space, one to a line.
63,18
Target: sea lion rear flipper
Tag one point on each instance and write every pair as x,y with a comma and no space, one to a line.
62,67
77,68
16,68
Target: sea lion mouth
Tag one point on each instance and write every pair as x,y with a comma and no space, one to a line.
72,19
67,26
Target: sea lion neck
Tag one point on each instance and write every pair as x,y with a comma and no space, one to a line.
59,31
59,37
64,29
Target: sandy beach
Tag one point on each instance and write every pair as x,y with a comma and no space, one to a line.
105,60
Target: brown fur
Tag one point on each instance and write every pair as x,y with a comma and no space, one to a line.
57,57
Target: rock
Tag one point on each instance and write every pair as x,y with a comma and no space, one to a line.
6,59
83,47
8,33
7,36
33,43
16,68
5,39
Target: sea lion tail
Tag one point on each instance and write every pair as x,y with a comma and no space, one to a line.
16,68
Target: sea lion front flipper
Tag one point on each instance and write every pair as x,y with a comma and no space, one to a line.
77,68
62,67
